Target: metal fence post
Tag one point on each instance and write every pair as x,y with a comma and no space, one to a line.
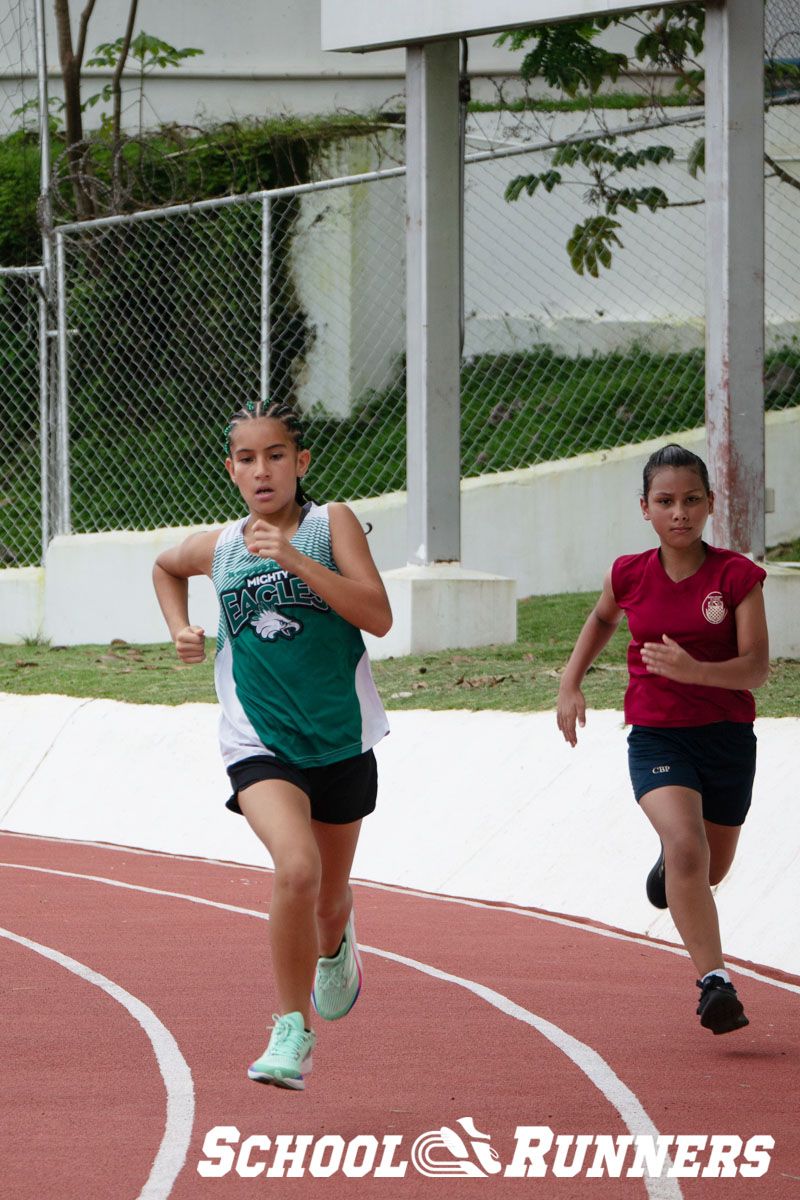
266,253
44,408
63,522
45,278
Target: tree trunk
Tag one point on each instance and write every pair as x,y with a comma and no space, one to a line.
116,90
71,61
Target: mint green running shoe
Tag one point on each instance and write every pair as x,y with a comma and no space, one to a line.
287,1058
338,979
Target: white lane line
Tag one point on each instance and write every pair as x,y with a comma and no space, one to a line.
593,1066
619,935
175,1072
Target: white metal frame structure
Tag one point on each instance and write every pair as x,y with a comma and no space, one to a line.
356,25
734,244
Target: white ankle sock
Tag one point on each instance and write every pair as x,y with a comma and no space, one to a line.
720,972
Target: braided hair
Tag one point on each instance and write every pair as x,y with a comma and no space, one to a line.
275,410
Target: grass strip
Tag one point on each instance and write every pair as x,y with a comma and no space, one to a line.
519,677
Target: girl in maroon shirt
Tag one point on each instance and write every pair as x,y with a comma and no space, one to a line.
698,645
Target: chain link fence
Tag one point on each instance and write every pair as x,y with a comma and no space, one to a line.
23,434
172,319
557,362
18,66
782,137
177,319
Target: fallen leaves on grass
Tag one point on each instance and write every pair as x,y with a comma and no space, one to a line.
481,681
120,652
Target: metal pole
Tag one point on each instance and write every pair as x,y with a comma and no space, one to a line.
734,45
266,254
45,279
44,414
64,515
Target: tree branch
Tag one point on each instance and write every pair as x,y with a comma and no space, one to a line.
783,175
83,26
116,82
73,118
116,91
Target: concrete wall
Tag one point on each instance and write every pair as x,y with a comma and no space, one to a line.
22,601
552,528
521,291
563,522
258,58
347,260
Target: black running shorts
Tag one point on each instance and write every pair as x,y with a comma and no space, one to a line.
340,792
718,761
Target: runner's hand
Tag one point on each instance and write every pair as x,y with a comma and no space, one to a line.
571,711
190,644
267,542
669,659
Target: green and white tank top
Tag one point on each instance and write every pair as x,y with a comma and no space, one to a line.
292,676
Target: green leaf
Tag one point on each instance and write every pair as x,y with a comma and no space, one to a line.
515,188
590,153
566,57
149,50
697,157
550,179
592,241
631,198
529,184
632,159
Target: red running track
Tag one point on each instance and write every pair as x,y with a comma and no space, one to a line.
137,988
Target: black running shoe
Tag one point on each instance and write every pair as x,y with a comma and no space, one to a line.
656,886
720,1009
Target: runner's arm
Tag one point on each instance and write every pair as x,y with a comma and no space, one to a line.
598,630
171,573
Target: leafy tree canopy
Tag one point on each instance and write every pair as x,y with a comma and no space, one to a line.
569,57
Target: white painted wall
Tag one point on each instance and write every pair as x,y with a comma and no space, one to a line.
564,522
102,582
347,259
22,601
260,57
520,291
552,528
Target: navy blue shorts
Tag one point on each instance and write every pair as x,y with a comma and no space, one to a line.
718,761
340,792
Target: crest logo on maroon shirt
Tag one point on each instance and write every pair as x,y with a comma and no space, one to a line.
714,609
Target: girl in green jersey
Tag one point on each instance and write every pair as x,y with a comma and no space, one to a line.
299,710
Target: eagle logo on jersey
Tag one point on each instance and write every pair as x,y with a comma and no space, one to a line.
714,609
271,624
258,605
